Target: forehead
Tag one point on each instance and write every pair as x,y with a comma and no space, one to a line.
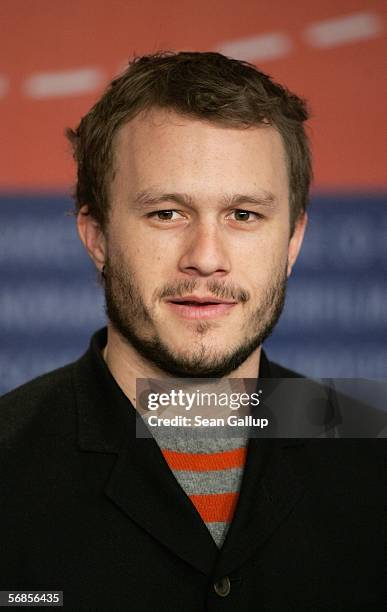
163,148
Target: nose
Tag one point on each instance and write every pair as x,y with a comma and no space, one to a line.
205,252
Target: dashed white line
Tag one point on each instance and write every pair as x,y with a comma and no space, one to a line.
343,30
63,83
261,47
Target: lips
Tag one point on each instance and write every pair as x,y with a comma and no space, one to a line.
200,307
197,301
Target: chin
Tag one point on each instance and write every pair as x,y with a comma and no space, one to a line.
211,342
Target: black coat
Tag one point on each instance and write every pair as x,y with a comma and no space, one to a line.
88,509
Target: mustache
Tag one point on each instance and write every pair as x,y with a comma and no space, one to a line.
214,287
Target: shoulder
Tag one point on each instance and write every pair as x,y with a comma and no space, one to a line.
279,371
269,369
351,410
45,398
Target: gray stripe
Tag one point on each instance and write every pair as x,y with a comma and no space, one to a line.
206,483
218,532
182,441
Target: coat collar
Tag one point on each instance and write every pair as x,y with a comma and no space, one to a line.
105,415
142,485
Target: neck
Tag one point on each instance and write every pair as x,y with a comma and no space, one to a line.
126,365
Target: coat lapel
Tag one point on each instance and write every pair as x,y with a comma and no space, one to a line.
141,484
269,491
268,494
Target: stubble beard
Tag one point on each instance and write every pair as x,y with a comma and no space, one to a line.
130,316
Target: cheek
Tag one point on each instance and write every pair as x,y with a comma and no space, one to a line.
263,256
132,251
149,268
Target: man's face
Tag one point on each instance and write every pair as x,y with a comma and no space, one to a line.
197,243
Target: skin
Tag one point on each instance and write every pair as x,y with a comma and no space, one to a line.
203,248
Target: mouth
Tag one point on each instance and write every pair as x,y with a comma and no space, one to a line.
194,307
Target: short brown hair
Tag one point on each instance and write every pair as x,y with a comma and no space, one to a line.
207,85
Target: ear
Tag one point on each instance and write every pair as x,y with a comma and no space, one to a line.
92,236
296,240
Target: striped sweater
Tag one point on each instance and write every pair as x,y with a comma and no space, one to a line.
210,472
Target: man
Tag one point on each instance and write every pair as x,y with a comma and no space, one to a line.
193,179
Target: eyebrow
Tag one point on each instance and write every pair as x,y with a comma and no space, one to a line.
148,199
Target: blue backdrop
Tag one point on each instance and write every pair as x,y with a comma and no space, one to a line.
335,318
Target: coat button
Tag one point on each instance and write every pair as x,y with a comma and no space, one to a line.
222,587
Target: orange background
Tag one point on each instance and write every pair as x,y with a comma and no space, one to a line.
344,83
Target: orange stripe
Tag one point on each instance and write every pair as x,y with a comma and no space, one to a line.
216,507
198,462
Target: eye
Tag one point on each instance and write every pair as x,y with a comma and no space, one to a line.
164,215
246,215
